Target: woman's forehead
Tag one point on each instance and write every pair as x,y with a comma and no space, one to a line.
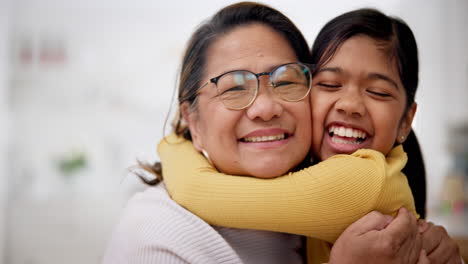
253,47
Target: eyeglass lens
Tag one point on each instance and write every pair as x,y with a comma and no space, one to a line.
238,89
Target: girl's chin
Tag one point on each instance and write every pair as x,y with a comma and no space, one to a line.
267,172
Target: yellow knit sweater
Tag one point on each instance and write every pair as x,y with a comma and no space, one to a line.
319,201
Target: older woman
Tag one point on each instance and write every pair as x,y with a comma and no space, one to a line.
242,80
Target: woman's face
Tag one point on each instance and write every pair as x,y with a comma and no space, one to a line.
228,135
358,101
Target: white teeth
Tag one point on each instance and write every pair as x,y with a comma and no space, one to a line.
347,132
341,132
264,138
342,141
355,134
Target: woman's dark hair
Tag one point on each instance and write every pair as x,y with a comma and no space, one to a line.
194,59
394,38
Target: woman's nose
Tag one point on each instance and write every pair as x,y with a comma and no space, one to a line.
351,103
266,106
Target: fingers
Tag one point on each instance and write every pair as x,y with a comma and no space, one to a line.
413,245
403,227
423,225
372,221
403,238
432,237
447,250
423,259
440,247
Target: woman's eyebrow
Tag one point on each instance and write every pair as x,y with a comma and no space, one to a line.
380,76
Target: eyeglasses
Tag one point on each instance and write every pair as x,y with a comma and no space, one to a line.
238,89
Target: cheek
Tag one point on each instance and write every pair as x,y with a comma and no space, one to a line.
317,136
386,125
304,111
215,121
320,109
220,125
220,140
304,120
298,115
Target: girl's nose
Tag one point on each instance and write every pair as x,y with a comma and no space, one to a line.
351,103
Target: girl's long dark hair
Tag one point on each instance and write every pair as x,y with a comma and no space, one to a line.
416,172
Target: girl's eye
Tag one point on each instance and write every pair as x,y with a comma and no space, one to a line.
383,95
329,85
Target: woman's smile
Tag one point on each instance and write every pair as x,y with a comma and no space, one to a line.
266,138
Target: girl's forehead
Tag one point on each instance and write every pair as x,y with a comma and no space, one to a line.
369,50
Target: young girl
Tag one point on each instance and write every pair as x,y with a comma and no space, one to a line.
362,97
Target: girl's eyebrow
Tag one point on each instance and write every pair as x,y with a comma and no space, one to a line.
330,69
371,76
383,77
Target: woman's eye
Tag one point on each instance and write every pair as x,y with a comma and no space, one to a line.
283,83
234,89
379,93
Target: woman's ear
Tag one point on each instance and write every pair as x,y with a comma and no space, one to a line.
191,119
405,124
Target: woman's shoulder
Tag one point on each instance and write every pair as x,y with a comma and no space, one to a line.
153,224
153,197
152,212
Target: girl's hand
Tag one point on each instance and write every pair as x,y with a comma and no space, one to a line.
378,238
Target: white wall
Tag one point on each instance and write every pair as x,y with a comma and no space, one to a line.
4,119
111,96
443,89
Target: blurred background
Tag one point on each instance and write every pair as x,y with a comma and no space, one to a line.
85,87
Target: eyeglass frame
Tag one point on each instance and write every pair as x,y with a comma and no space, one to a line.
214,80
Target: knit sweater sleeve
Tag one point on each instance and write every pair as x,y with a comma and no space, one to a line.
396,191
319,201
155,229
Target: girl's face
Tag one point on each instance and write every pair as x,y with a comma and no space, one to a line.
358,101
266,139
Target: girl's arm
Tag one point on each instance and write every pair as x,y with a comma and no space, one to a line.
319,201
